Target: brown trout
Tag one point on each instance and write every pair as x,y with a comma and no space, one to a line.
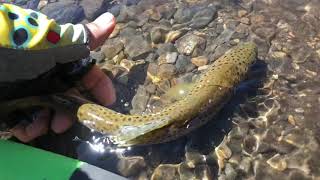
207,96
204,99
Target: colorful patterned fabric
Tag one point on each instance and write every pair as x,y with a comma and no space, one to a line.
26,29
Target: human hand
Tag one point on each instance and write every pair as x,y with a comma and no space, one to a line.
95,81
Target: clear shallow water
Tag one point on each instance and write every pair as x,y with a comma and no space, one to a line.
269,130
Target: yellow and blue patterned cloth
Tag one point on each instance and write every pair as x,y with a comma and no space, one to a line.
26,29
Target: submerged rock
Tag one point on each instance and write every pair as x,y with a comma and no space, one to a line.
203,17
183,15
131,166
166,172
157,35
111,48
64,12
189,42
183,63
139,101
92,9
169,57
137,47
166,71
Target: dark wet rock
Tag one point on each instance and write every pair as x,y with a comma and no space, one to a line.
182,63
152,57
165,23
64,12
123,78
98,56
247,4
115,10
91,8
151,88
131,2
189,42
28,4
166,172
157,35
21,2
132,24
191,67
126,32
139,101
183,15
185,78
232,24
266,32
203,17
166,47
123,16
217,28
134,50
218,52
263,44
166,71
131,166
132,11
111,48
154,14
33,4
142,19
166,10
204,172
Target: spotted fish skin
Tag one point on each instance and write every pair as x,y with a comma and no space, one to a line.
205,99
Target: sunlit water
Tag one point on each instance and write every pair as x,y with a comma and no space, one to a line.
269,129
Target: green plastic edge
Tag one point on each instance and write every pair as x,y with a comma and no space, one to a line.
21,162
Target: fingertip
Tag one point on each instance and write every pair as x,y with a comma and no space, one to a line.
104,91
61,122
100,85
100,29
